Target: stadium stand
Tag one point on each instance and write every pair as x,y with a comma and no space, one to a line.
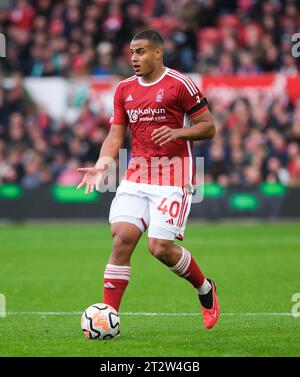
255,142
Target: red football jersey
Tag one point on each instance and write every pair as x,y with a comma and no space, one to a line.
173,100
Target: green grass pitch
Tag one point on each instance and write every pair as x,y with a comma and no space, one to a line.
58,270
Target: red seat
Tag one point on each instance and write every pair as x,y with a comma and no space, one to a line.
208,35
165,25
229,20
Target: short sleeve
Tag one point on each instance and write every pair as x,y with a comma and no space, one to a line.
192,100
119,116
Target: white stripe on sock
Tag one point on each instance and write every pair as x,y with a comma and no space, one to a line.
118,267
182,265
117,272
118,277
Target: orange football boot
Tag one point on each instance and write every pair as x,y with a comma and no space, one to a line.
211,315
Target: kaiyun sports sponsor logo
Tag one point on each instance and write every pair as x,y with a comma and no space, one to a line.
146,115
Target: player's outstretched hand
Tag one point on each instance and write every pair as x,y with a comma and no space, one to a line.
92,178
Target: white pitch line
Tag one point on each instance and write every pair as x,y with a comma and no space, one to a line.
153,314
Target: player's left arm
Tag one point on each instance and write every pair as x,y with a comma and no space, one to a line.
203,127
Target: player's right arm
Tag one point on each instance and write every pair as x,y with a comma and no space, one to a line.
111,145
109,152
110,148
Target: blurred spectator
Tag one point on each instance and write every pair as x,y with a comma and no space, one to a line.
69,175
255,142
33,172
48,38
185,41
252,176
217,165
105,61
236,166
276,173
294,169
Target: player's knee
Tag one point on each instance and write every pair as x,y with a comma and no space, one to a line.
159,248
122,240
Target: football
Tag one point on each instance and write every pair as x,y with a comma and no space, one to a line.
100,321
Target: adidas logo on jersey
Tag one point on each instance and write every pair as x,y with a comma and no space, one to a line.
170,221
129,98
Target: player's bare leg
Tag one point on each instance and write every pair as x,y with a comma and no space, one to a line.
117,271
180,261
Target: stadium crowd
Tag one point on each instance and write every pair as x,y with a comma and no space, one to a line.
76,38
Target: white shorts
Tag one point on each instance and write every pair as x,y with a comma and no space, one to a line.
162,209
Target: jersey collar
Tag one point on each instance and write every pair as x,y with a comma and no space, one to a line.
140,79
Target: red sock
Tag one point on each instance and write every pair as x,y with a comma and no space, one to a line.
116,279
187,268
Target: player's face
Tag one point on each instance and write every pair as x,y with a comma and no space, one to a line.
144,57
